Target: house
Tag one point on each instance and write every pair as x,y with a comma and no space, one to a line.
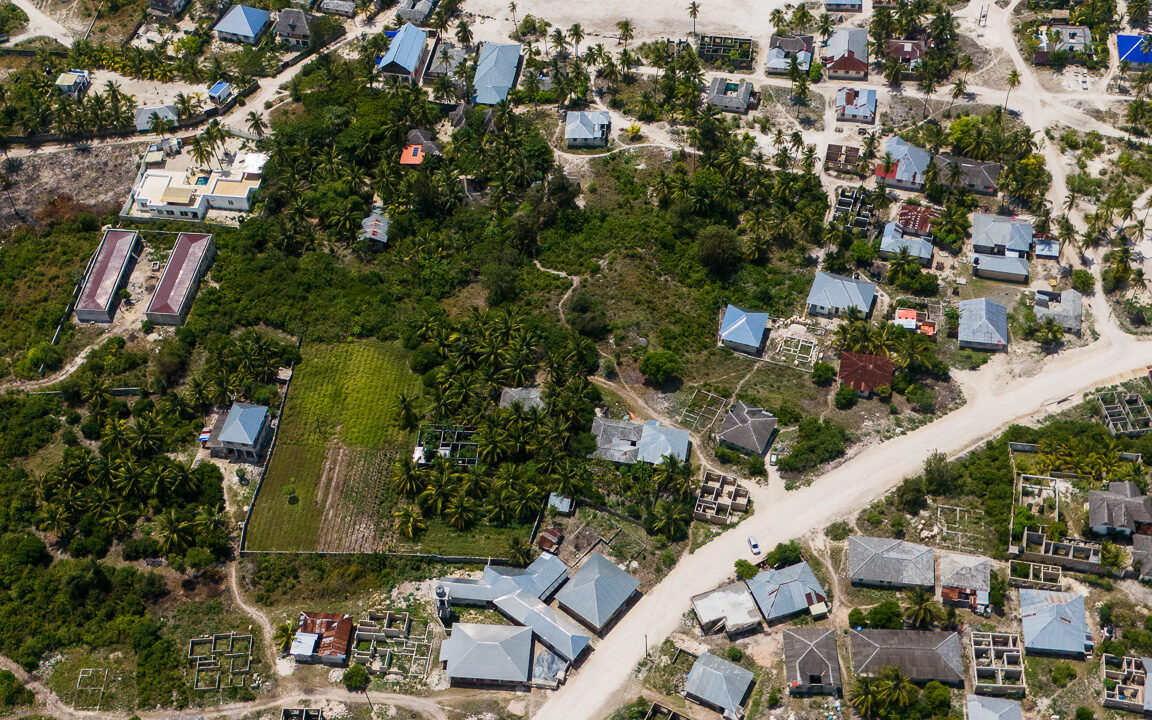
562,504
747,429
418,146
1142,556
999,235
415,11
982,707
1121,509
549,539
187,263
983,325
496,71
292,27
1054,623
1067,307
923,655
74,82
478,654
832,295
1131,48
735,97
886,562
811,661
893,240
242,435
846,54
743,331
965,581
626,442
243,24
144,116
219,92
718,684
374,228
106,274
729,608
526,398
999,267
908,165
783,48
180,190
1045,247
864,373
1066,39
785,593
907,52
445,61
856,105
976,176
597,593
843,5
916,321
344,8
322,638
917,219
541,578
587,128
560,635
406,54
166,8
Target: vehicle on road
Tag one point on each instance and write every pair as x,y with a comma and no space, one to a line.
753,544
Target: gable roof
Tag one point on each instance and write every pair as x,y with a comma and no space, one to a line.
856,103
749,428
886,560
541,578
292,21
743,327
719,683
243,21
810,651
982,707
404,51
325,634
1007,265
864,373
969,572
528,397
983,321
848,49
980,174
243,424
1130,48
586,125
659,441
837,291
496,653
597,591
182,271
782,48
922,654
496,70
1001,232
164,112
524,608
1121,506
1053,621
785,592
909,163
1067,307
894,240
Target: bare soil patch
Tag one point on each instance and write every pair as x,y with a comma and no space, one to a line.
100,174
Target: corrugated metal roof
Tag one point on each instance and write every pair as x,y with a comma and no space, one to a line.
982,707
996,231
968,572
243,424
495,653
719,683
910,161
144,115
496,69
743,327
1053,621
541,579
597,591
565,639
894,240
244,21
782,593
658,442
983,321
836,291
922,654
404,51
586,125
810,652
1016,266
894,562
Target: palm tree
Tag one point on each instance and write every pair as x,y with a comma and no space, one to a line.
515,24
824,26
895,689
519,550
464,33
173,534
625,32
461,511
409,522
1013,83
256,124
407,479
576,34
669,519
406,404
693,12
283,636
920,607
959,89
902,266
865,697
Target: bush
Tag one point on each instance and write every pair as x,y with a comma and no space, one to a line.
718,248
857,618
773,699
12,691
355,678
1083,713
884,392
846,398
1082,281
886,615
838,531
659,365
756,467
1063,673
923,399
745,570
817,442
785,554
823,374
734,653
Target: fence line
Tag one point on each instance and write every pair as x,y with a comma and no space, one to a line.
402,556
267,455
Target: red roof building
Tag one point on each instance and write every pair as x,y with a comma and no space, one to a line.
917,219
864,373
419,146
907,52
322,638
106,274
173,296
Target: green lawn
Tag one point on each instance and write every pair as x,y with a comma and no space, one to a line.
342,395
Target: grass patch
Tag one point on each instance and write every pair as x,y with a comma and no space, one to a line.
119,688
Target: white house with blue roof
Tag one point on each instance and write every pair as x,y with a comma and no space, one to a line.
787,592
406,54
833,295
1054,623
743,331
243,24
243,434
497,67
894,240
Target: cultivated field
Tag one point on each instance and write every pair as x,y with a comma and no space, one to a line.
339,432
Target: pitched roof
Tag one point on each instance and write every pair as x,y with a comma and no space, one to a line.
782,48
1121,506
1142,552
909,163
836,291
785,592
1066,306
597,591
1016,266
968,572
976,173
982,707
922,654
864,373
886,560
730,605
541,578
910,50
495,72
292,21
243,424
894,239
498,653
983,321
333,631
719,683
729,95
564,638
743,327
244,21
748,428
528,397
856,103
404,51
616,440
658,441
847,48
916,219
375,226
808,652
586,125
1001,232
173,292
164,112
1053,621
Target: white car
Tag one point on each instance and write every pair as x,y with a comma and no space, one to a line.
771,458
755,546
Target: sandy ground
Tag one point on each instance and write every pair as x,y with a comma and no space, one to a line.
148,92
39,23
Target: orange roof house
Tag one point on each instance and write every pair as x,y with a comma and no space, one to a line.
911,319
419,146
322,638
864,373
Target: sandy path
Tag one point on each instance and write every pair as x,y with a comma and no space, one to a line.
252,612
39,24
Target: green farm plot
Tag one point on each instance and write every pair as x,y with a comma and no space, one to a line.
339,431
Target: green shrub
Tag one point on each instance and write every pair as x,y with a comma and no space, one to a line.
1082,281
823,374
745,570
355,678
660,365
846,398
838,531
734,653
1062,674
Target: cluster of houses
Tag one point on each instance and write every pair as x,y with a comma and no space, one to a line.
415,55
553,616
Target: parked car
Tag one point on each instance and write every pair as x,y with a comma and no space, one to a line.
753,544
772,457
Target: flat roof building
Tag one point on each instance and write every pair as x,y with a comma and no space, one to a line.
729,608
172,298
107,273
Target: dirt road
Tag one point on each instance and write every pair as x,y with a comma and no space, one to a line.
994,401
40,24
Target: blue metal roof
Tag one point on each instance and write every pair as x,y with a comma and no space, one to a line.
1054,621
657,442
785,592
244,21
1129,48
404,51
243,423
495,72
894,239
743,327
